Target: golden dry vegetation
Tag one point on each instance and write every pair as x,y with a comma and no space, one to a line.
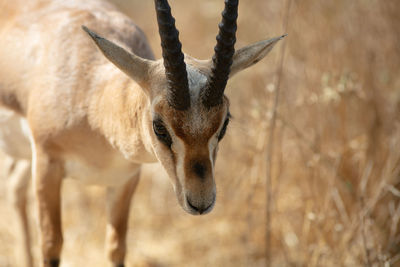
335,186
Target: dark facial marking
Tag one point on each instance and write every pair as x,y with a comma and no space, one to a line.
52,263
162,132
199,169
224,127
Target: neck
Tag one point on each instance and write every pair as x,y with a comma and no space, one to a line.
119,110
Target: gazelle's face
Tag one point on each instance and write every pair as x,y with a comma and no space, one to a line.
189,112
186,144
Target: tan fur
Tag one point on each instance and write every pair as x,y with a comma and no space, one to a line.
86,119
118,201
18,184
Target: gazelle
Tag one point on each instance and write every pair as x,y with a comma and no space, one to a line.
75,113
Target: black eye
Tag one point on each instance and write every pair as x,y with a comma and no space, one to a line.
223,130
162,133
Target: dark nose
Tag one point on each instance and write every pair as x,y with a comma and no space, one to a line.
199,169
200,209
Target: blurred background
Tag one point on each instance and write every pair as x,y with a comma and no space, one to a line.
334,192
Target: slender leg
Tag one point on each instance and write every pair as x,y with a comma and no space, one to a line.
118,203
47,181
19,183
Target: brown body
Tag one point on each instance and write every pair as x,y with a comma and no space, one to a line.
76,114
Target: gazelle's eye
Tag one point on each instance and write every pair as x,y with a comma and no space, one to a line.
223,130
162,133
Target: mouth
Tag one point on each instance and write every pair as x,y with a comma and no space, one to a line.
199,209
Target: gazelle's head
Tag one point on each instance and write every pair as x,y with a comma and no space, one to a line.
188,110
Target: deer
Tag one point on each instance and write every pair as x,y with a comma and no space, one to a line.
78,105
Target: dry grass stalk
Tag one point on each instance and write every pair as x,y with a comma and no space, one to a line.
270,142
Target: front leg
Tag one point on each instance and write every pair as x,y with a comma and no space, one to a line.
48,174
118,203
19,178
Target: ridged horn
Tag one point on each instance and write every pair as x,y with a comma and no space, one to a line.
175,67
222,59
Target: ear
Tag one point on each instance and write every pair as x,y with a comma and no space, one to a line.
251,54
134,66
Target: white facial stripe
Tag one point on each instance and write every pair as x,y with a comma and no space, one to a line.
212,145
178,147
154,103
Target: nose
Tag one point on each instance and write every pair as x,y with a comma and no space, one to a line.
201,208
199,169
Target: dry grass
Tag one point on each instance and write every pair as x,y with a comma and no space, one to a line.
336,164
